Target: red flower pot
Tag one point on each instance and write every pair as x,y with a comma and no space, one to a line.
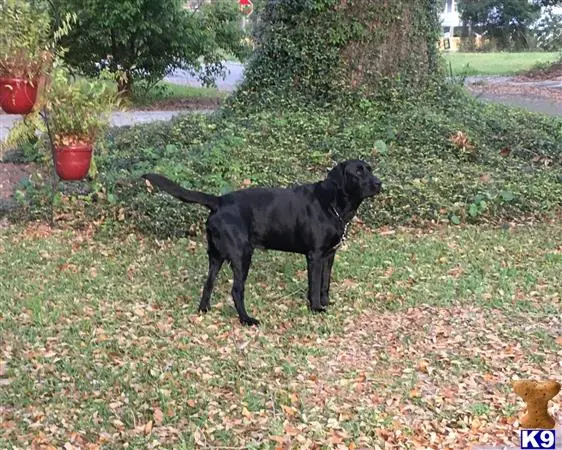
72,162
17,95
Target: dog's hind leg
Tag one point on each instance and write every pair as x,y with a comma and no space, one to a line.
240,268
215,264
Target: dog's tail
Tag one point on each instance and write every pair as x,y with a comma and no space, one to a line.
210,201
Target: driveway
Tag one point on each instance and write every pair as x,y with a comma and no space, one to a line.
531,103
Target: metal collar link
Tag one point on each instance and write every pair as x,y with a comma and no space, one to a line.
345,227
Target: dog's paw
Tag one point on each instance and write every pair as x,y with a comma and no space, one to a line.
250,322
319,309
204,308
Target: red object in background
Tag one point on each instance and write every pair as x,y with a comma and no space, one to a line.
72,162
17,95
246,6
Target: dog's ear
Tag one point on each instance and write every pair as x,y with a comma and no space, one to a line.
337,175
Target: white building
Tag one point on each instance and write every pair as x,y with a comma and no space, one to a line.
450,18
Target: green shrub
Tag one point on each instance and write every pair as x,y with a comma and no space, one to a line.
510,170
25,33
28,41
147,39
78,109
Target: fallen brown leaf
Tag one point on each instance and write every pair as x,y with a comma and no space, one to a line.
423,365
158,416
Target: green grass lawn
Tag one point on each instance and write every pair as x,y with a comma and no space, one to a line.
100,342
496,63
178,90
170,92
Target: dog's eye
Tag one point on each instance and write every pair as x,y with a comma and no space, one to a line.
369,169
359,170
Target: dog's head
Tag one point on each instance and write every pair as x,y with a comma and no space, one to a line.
355,178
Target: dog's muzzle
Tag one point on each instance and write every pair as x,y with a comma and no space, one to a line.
376,185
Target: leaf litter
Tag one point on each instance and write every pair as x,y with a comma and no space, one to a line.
123,368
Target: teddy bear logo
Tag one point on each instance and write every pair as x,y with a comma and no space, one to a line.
537,395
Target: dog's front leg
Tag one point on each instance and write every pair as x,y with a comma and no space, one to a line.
326,278
314,262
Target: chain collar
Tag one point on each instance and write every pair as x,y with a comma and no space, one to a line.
345,227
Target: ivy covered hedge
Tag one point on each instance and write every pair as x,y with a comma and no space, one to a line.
321,50
505,165
442,157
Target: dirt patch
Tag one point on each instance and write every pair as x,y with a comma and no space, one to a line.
553,72
11,175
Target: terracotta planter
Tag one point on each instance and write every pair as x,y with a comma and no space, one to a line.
17,95
72,162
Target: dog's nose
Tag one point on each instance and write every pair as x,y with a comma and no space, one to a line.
377,184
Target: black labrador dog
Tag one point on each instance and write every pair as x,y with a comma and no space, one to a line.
310,219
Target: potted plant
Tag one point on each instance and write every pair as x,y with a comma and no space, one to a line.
76,112
25,33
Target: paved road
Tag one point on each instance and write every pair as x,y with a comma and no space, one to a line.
118,119
553,84
522,94
535,104
233,76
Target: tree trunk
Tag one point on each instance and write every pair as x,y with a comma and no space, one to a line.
324,47
125,85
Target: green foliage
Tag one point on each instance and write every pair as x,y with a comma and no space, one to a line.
443,156
321,49
505,22
28,41
478,206
549,31
73,110
514,172
178,94
77,109
24,39
146,39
